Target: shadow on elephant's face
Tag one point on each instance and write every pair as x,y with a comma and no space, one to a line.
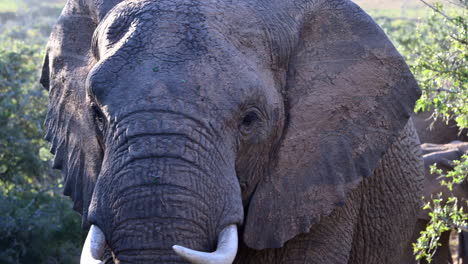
173,119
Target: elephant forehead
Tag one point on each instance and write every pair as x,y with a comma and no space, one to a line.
177,31
161,29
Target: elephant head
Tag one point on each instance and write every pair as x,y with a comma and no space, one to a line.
174,121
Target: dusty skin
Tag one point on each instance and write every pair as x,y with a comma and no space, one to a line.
174,121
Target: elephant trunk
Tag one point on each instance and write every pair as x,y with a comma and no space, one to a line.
160,188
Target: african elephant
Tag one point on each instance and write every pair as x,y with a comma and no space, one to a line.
441,146
437,131
175,122
443,155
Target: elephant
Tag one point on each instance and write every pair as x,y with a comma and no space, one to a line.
437,131
442,143
442,155
233,131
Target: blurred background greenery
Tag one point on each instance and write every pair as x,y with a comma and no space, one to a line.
37,224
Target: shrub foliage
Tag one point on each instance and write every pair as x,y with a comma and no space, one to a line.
37,224
436,48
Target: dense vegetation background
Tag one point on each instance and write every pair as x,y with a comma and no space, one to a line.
37,224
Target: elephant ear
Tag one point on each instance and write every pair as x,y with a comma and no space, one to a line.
69,122
348,96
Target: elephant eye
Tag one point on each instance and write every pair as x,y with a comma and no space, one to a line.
99,119
250,122
249,119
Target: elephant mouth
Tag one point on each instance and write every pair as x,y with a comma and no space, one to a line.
226,249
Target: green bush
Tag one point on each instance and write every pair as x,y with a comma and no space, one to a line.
38,227
436,49
24,157
445,215
37,224
440,64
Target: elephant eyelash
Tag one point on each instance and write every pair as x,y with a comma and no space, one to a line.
100,119
95,52
101,125
95,45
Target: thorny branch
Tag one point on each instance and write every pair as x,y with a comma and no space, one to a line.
436,10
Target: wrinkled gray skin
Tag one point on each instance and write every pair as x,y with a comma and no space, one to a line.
174,119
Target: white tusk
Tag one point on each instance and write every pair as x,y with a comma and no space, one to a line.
225,252
93,248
